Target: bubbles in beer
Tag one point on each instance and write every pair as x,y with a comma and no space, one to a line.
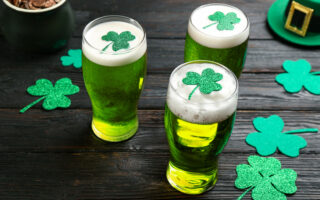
212,36
202,108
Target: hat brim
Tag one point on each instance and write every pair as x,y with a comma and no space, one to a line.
277,19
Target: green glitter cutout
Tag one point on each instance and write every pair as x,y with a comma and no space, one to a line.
206,81
54,96
118,41
299,75
270,137
74,58
265,178
225,22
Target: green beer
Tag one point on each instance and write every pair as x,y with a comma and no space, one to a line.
218,32
198,127
114,67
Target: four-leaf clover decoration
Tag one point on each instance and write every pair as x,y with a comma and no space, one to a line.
74,58
225,22
299,75
206,81
265,178
270,137
118,41
54,96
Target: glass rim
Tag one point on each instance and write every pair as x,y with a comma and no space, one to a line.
130,20
235,92
223,4
34,11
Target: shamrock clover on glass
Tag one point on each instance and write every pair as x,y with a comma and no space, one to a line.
225,22
299,75
53,96
206,81
270,137
118,41
74,58
265,178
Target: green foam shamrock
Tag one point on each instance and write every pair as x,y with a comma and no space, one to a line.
265,178
74,58
206,81
54,96
118,41
225,22
270,137
299,76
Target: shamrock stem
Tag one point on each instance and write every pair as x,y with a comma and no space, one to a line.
243,194
193,92
315,73
31,104
106,46
209,25
307,130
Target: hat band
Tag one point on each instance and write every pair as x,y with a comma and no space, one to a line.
298,19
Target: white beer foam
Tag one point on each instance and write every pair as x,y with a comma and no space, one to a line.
93,50
213,38
202,108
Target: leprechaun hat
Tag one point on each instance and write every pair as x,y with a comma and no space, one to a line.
297,21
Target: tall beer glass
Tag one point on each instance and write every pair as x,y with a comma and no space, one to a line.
218,32
198,120
114,66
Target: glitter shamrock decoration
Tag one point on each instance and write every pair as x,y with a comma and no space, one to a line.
118,41
54,96
298,75
225,22
271,137
265,178
206,81
74,58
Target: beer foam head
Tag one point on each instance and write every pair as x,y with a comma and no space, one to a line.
93,44
202,108
205,31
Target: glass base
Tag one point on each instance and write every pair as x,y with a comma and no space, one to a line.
191,182
114,133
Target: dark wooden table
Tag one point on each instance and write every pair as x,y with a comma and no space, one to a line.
54,155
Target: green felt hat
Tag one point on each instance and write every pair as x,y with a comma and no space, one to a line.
280,12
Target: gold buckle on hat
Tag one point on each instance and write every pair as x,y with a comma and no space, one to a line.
308,11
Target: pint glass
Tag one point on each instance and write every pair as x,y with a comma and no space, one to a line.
114,67
218,32
199,115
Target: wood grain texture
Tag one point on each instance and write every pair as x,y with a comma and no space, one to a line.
54,155
257,92
69,131
167,18
123,175
264,56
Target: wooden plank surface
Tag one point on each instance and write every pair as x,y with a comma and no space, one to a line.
257,92
69,131
168,18
54,154
123,175
264,56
